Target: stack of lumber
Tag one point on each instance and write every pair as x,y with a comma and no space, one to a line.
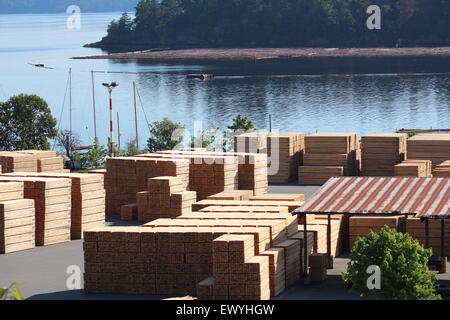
47,160
17,162
126,176
442,170
87,197
328,155
245,209
318,266
361,226
211,255
166,198
17,218
98,171
414,168
434,147
129,212
416,228
52,198
291,205
252,167
232,195
274,197
338,233
381,152
284,150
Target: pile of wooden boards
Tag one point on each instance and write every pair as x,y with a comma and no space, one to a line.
17,218
252,167
381,152
232,195
126,176
416,228
87,198
52,201
284,151
264,205
329,155
166,198
360,226
31,161
414,168
318,266
318,226
209,255
434,147
442,170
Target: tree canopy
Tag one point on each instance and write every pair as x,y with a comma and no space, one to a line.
222,23
26,122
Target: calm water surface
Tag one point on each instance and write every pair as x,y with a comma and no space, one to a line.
349,96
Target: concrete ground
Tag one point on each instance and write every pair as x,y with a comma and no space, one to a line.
42,271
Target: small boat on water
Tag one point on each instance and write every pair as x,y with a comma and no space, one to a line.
201,76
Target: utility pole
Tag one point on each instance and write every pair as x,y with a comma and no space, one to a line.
70,102
93,104
118,129
135,116
110,87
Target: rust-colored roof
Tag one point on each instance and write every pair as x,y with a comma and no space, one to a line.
423,197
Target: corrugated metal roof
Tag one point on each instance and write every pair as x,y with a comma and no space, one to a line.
423,197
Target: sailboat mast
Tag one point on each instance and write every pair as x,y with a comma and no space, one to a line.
93,104
135,116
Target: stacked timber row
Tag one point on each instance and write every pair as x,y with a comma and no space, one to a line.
329,155
382,152
284,151
442,170
126,176
17,218
434,147
252,167
166,198
31,161
232,195
319,265
47,161
361,226
87,199
416,228
52,198
179,256
414,168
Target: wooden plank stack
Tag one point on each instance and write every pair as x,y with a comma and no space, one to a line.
360,226
442,170
15,161
47,160
87,197
17,218
414,168
416,228
52,198
166,198
232,195
434,147
328,155
291,205
129,212
381,152
126,176
318,266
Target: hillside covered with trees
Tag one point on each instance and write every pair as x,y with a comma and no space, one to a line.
239,23
60,6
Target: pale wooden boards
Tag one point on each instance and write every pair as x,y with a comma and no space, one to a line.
381,152
416,228
434,147
329,155
232,195
31,161
442,170
414,168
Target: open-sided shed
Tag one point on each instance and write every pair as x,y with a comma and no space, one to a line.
426,198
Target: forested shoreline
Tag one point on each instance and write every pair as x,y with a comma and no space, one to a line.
279,23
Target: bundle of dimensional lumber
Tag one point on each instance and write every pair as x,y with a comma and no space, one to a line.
442,170
172,256
290,205
360,226
17,218
328,155
319,227
416,228
381,152
52,198
126,176
166,198
434,147
284,151
232,195
16,161
414,168
318,266
252,167
47,160
87,199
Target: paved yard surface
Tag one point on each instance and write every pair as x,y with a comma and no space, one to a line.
41,271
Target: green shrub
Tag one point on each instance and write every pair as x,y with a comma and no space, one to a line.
11,293
403,263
